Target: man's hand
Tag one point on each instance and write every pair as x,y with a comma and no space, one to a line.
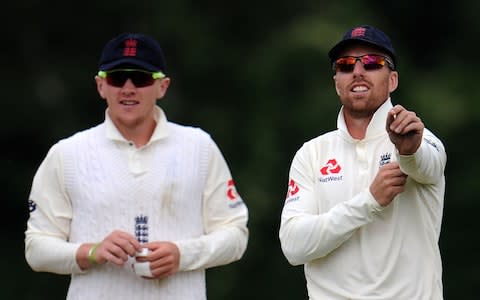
389,182
164,258
115,248
405,130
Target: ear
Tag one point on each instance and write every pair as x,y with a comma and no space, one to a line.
100,84
393,81
163,87
336,85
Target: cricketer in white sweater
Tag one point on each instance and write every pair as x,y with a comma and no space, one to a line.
96,181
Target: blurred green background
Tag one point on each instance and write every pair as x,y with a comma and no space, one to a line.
255,75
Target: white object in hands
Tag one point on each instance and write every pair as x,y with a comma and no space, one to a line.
142,269
142,253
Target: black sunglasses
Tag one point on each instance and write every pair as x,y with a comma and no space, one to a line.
140,78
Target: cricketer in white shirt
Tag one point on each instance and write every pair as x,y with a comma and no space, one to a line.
351,247
96,181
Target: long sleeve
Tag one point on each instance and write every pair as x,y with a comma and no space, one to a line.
46,238
427,165
225,219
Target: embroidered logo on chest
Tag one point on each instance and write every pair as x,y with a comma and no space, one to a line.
385,159
141,228
330,171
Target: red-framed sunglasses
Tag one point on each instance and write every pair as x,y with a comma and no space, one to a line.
370,62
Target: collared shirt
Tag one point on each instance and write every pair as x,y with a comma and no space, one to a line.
351,247
53,236
136,162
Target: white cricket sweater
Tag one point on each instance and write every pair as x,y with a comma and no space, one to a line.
94,182
106,195
350,246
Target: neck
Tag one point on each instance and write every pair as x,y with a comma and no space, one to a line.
357,127
139,134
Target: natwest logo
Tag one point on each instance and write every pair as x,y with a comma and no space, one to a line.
292,188
231,192
331,167
292,193
232,195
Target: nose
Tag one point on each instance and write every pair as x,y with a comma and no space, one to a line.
128,87
128,84
358,68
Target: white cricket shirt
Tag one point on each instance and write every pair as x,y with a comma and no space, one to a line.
350,246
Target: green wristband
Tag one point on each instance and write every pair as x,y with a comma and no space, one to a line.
91,254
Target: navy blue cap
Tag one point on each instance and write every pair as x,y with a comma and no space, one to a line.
132,49
367,35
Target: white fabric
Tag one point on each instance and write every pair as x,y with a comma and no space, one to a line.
96,181
142,268
350,246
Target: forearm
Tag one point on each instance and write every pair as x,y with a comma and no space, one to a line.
51,254
305,237
427,165
220,247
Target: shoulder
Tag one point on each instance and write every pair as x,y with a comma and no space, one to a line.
321,140
187,132
81,136
317,147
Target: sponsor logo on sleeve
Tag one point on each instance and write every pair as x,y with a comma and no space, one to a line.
31,206
232,194
292,193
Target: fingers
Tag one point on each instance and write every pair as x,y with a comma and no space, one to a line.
164,258
401,121
117,247
394,177
389,182
390,118
404,129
